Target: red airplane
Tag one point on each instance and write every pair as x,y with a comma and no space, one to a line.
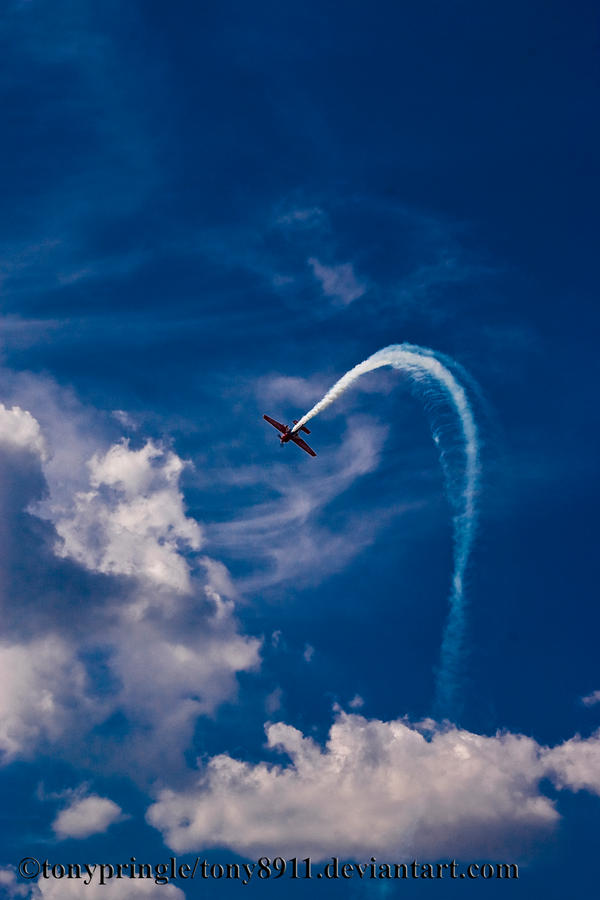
288,435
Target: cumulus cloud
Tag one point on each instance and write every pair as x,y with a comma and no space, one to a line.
155,641
10,886
338,282
384,788
168,681
125,889
43,693
576,764
19,430
132,521
86,816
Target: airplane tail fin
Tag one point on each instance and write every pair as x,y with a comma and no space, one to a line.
304,428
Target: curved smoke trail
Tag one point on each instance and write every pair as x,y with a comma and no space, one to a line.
433,378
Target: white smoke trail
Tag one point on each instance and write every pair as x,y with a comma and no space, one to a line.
436,382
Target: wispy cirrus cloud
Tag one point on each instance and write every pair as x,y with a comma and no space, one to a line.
591,699
285,533
338,281
303,217
70,67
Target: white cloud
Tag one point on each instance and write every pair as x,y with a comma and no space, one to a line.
576,764
86,816
591,699
382,788
339,281
133,520
43,693
19,430
309,652
123,889
9,884
165,640
167,682
71,432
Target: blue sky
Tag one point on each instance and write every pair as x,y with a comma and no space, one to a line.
212,211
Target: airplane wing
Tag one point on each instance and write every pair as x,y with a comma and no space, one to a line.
275,424
303,444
